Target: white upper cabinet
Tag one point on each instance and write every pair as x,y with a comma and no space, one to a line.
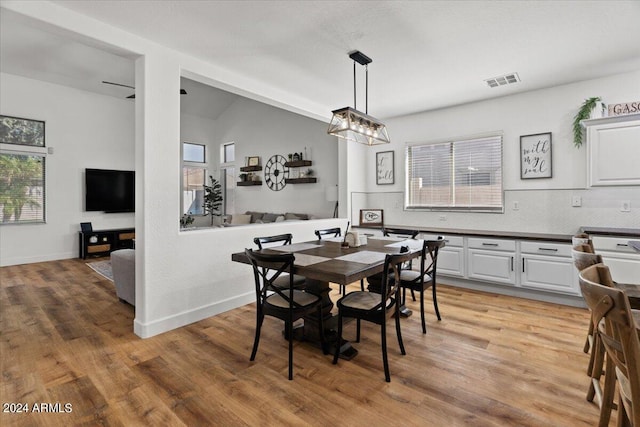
613,150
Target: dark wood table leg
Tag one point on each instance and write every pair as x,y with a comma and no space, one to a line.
330,322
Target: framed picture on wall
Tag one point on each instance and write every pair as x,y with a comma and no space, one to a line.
384,168
535,156
19,131
371,218
253,161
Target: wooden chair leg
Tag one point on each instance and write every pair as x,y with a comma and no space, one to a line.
608,393
435,300
362,285
399,332
256,340
588,342
385,361
424,324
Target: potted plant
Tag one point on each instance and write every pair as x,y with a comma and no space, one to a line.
212,198
186,220
584,113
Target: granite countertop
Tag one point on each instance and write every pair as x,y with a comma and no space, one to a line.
606,231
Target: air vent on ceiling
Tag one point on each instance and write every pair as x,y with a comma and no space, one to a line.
507,79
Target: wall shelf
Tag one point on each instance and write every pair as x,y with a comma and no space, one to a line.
301,180
298,163
250,168
248,183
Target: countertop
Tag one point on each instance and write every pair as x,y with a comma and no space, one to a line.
486,233
604,231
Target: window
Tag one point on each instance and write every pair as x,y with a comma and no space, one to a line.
228,152
22,187
455,175
22,170
194,175
228,177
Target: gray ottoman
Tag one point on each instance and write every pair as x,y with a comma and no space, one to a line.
123,263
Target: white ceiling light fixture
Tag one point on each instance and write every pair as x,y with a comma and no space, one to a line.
354,125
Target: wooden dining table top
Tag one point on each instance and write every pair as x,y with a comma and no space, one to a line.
329,261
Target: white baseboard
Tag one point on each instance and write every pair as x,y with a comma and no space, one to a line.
8,261
147,330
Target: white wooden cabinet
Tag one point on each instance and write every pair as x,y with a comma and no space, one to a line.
548,267
451,257
622,260
613,150
492,260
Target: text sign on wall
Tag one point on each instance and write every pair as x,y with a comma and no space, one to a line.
624,108
535,156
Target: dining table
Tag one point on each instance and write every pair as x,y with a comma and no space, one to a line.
330,261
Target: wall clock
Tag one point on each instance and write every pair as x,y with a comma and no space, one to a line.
276,172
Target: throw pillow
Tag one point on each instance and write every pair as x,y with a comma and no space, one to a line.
270,217
237,219
289,216
280,218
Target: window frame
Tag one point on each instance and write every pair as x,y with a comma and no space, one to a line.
454,177
29,150
204,166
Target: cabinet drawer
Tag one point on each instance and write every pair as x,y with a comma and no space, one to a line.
616,244
98,248
449,240
127,236
543,248
492,244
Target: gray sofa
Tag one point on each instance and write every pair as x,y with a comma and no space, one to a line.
252,217
123,264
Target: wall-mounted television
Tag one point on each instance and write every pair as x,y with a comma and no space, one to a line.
110,190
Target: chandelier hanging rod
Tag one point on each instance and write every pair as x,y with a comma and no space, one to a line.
361,59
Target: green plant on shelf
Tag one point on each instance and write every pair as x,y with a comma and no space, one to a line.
186,220
583,113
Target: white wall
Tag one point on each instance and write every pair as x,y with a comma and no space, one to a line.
86,130
262,130
545,204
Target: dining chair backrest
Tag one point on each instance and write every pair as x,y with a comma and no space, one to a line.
429,257
400,232
280,239
582,239
267,268
619,337
583,257
393,264
597,273
330,232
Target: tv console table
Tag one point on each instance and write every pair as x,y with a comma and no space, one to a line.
103,242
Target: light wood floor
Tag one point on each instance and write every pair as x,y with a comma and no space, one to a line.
492,361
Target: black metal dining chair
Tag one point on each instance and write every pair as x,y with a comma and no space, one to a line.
280,240
285,303
376,307
419,281
334,232
330,232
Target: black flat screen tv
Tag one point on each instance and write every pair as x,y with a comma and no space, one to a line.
110,190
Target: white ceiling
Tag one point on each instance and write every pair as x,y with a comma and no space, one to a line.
426,55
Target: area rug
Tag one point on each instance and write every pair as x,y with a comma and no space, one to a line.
103,268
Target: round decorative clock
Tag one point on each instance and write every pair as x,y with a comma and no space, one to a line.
276,172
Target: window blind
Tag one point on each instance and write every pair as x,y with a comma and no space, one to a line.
22,188
455,175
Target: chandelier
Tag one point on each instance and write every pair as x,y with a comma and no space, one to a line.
354,125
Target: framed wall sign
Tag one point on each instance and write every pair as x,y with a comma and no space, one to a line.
253,161
371,218
384,168
535,156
